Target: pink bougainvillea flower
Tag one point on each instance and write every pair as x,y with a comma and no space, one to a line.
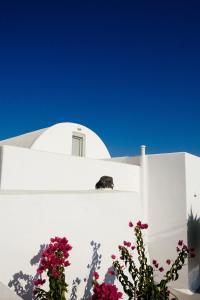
133,247
130,224
161,269
39,282
40,270
145,226
168,261
154,262
54,256
142,226
96,275
180,243
106,291
113,256
127,244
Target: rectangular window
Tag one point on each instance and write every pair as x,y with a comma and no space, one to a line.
77,145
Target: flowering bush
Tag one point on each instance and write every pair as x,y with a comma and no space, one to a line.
104,291
140,284
53,261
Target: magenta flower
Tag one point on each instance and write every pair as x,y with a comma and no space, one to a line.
113,256
39,282
168,261
54,256
145,226
142,226
127,244
96,275
106,291
180,243
130,224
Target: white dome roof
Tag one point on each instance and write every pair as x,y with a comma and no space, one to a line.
58,139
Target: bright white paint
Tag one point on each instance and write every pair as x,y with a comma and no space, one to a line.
133,160
167,208
143,183
58,139
193,214
7,294
31,219
36,202
25,169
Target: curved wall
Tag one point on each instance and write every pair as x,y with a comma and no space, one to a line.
58,139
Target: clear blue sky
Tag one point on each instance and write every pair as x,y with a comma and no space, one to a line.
129,70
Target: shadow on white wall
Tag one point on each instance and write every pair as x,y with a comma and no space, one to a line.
22,283
193,225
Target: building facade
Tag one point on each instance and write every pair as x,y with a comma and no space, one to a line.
47,188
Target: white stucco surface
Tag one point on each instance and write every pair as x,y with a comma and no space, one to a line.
58,139
45,191
26,169
133,160
193,215
31,219
167,208
7,294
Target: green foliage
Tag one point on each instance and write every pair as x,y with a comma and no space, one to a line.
138,281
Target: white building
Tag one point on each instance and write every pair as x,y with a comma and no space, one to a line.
47,188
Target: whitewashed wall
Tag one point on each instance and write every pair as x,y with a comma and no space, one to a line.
167,208
193,215
133,160
26,169
34,205
58,139
28,220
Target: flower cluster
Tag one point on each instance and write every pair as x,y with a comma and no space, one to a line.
39,282
104,291
54,259
141,225
141,284
55,256
182,247
156,265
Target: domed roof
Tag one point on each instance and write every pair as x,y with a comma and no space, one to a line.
58,139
